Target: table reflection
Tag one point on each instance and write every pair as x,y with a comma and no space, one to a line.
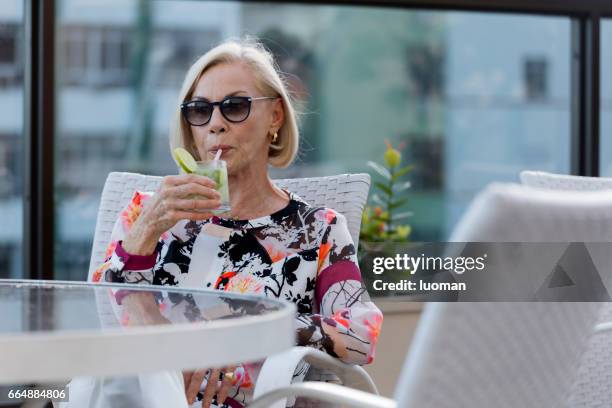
55,306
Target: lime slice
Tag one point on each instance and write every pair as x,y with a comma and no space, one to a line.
185,160
216,176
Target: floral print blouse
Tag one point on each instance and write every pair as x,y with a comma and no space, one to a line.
300,254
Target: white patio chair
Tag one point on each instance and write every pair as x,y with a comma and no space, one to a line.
346,193
505,212
522,214
557,208
502,354
477,355
553,181
594,382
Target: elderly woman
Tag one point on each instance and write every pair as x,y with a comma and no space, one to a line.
271,243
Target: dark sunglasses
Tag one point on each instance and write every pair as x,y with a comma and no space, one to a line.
233,108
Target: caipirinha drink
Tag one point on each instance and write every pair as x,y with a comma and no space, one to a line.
215,170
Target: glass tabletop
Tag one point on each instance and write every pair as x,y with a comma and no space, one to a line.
42,306
120,329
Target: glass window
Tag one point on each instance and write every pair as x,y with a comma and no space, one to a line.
605,158
507,102
472,97
536,78
120,67
95,56
11,139
8,37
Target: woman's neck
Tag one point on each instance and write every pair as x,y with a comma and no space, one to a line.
252,195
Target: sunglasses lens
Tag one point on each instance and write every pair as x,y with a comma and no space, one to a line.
236,109
197,113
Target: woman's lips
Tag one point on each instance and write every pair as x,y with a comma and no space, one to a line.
214,149
224,150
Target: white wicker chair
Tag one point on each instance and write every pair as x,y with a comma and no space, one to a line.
516,354
346,193
505,212
552,181
478,355
594,382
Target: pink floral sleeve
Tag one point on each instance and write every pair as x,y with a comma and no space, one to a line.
116,260
348,323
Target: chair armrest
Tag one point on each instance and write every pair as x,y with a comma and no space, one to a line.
277,371
332,393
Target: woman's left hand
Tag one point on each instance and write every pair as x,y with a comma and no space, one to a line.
217,384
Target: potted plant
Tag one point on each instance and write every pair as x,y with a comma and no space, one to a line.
382,226
380,222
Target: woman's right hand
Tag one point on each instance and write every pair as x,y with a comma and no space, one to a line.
185,196
214,388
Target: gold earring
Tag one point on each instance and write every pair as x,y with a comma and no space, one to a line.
274,137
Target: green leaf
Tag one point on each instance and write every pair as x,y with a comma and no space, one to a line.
384,216
402,172
376,198
403,215
384,188
397,204
382,171
402,186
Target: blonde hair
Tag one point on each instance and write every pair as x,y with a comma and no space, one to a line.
268,81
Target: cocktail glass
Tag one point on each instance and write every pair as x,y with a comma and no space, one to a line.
216,170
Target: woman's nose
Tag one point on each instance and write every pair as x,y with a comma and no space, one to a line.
217,122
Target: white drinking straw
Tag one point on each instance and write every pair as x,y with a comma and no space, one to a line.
218,155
